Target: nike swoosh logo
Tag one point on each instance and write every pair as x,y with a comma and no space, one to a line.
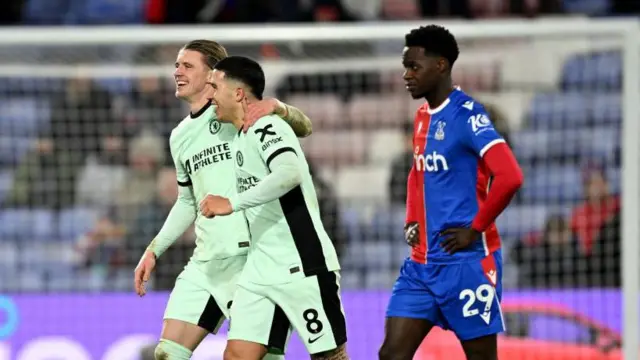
311,341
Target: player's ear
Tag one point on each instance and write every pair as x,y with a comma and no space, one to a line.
442,65
210,77
240,94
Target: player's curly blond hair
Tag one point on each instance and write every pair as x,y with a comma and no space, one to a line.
211,51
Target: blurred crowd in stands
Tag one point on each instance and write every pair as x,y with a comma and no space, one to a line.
53,12
107,151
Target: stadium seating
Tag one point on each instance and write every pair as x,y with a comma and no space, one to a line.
352,145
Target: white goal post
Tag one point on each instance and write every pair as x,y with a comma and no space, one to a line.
621,34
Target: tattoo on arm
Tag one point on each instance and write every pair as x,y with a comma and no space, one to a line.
339,353
299,122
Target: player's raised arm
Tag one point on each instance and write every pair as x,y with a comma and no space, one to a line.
481,136
299,122
275,142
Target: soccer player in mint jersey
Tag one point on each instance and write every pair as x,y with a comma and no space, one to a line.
201,151
462,178
292,263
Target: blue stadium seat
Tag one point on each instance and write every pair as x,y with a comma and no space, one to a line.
387,225
552,185
31,86
9,257
15,224
25,280
587,7
354,227
614,176
42,225
54,260
517,221
104,12
595,72
116,85
6,181
559,110
377,255
351,279
27,224
12,149
353,257
45,12
23,116
580,144
381,279
607,109
73,223
601,143
530,146
400,252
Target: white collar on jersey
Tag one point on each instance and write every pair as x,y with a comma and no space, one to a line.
443,105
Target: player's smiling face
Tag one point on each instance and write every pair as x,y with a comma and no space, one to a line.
226,96
421,72
190,74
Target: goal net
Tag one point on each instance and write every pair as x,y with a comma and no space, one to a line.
86,177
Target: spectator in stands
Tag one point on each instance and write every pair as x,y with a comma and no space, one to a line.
146,226
605,260
554,261
45,178
103,174
153,107
329,211
102,245
146,158
400,167
598,208
81,117
80,120
327,11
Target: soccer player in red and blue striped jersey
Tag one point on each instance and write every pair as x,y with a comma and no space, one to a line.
462,178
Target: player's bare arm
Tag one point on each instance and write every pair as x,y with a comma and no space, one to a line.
299,122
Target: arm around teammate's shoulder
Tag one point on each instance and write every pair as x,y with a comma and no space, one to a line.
299,122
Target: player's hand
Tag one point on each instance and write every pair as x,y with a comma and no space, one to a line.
412,233
456,239
213,205
143,272
256,110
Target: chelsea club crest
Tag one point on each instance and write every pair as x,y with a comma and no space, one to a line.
440,130
239,158
214,127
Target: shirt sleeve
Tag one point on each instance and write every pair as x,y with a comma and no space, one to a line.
479,133
507,179
182,214
272,137
285,175
275,141
182,174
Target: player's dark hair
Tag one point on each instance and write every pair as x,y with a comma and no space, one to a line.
211,51
435,40
245,70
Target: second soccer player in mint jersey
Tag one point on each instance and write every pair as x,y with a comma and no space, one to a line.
201,150
462,178
292,263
